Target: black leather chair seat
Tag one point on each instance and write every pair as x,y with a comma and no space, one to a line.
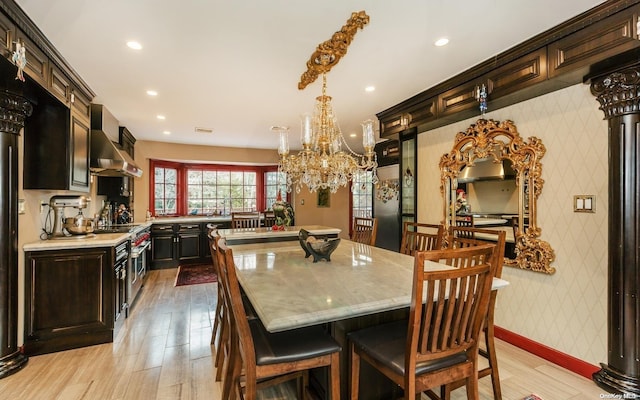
386,343
289,346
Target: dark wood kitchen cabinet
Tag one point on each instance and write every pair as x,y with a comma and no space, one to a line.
163,246
57,143
173,244
189,248
68,299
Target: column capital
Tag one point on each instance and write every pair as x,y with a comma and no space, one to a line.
618,92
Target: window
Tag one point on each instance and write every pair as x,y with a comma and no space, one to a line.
210,191
166,190
274,181
362,195
197,189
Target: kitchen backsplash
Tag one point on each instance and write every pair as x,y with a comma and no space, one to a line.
493,197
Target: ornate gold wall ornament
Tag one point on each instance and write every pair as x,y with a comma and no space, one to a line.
500,140
329,52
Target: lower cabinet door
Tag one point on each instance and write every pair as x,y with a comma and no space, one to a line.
67,299
189,246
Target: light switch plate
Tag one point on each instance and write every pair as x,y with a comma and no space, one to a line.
21,209
584,203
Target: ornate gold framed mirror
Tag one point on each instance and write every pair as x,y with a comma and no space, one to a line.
497,142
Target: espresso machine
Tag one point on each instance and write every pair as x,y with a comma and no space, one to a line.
61,223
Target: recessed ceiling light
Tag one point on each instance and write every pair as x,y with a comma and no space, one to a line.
161,117
134,45
441,42
370,89
352,135
152,93
166,132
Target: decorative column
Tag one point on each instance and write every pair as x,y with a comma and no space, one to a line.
13,111
619,96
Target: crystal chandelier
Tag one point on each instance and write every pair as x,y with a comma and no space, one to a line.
326,161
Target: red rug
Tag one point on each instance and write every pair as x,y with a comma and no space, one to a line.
195,274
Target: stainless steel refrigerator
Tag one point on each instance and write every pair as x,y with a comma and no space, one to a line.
386,207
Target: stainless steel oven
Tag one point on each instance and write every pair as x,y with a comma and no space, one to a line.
140,245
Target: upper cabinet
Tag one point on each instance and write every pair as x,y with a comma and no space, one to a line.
555,59
57,136
57,141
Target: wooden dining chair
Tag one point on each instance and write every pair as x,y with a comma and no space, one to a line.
245,220
420,237
260,358
466,222
364,230
459,237
220,332
213,236
269,219
439,342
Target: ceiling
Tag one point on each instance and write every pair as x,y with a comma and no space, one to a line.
234,66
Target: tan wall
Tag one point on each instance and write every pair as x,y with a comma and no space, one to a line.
337,215
566,311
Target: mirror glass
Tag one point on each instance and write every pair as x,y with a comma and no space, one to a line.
492,178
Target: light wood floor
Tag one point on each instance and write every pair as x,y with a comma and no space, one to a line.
163,352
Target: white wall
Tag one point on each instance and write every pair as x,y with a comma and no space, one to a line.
566,311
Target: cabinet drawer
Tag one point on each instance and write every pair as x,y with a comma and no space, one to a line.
415,115
191,228
160,229
60,85
7,35
80,104
596,42
519,74
37,62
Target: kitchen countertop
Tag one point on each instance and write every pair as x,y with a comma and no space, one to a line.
78,242
82,242
195,218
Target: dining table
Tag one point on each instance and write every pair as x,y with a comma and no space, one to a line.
360,286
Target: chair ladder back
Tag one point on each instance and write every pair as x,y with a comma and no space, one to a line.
420,237
245,220
364,230
451,323
459,237
242,347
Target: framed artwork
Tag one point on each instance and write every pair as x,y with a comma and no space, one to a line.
324,197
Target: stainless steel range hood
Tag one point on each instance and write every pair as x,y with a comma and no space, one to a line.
107,157
485,169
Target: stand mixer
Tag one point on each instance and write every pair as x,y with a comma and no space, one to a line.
61,224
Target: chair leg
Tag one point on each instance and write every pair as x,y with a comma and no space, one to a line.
216,319
355,373
472,387
222,349
230,375
334,371
493,360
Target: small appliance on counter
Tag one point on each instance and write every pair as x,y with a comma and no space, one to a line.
64,226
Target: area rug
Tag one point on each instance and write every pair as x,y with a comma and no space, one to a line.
532,397
195,274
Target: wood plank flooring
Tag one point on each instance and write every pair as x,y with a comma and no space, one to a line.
163,353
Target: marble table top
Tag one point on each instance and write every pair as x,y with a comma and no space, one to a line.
268,233
289,291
